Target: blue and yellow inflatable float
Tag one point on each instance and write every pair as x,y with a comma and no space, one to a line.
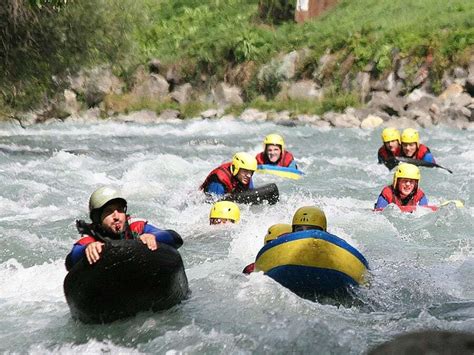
285,172
312,262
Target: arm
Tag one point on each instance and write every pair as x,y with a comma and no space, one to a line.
429,158
169,237
216,188
380,158
293,165
251,184
87,246
423,201
381,203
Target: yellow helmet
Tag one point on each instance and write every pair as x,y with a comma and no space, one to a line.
99,198
276,231
274,139
406,171
310,216
410,135
390,134
225,210
243,161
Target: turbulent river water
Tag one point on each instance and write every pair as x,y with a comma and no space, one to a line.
422,264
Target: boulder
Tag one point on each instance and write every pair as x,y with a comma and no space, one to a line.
226,95
182,93
371,122
252,114
393,105
428,342
304,90
153,86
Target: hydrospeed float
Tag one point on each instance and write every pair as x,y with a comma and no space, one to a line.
285,172
412,208
127,279
312,262
267,193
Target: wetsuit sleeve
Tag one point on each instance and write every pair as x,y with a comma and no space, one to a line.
293,165
215,188
429,158
169,237
423,201
381,202
77,252
380,159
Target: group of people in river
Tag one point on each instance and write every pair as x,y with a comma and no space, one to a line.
108,207
404,190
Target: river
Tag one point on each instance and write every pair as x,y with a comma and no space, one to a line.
421,264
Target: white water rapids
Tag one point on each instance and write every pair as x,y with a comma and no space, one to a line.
422,264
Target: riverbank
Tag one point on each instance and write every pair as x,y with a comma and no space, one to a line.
360,64
157,95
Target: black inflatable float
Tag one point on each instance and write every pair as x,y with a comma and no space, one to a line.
127,279
266,193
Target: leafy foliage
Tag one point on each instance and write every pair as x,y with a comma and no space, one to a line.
46,39
43,40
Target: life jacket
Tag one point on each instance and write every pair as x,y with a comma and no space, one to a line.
420,152
249,269
387,154
134,230
285,159
224,176
391,196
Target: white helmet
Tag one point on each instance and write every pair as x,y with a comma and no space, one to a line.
99,198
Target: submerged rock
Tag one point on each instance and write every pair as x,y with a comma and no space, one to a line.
432,342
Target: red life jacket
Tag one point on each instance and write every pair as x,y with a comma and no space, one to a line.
224,176
136,228
249,269
389,194
386,154
285,159
420,152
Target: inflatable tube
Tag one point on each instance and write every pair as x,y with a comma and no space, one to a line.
266,193
312,263
409,209
127,279
285,172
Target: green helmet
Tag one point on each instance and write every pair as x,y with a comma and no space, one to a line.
101,197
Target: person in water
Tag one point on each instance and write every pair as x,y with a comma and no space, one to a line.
405,190
309,217
108,212
411,147
274,152
391,147
231,177
224,212
274,232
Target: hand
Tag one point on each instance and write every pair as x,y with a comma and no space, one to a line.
93,251
149,240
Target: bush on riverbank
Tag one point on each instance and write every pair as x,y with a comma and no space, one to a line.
40,44
208,41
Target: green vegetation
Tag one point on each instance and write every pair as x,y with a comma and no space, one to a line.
214,34
214,37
